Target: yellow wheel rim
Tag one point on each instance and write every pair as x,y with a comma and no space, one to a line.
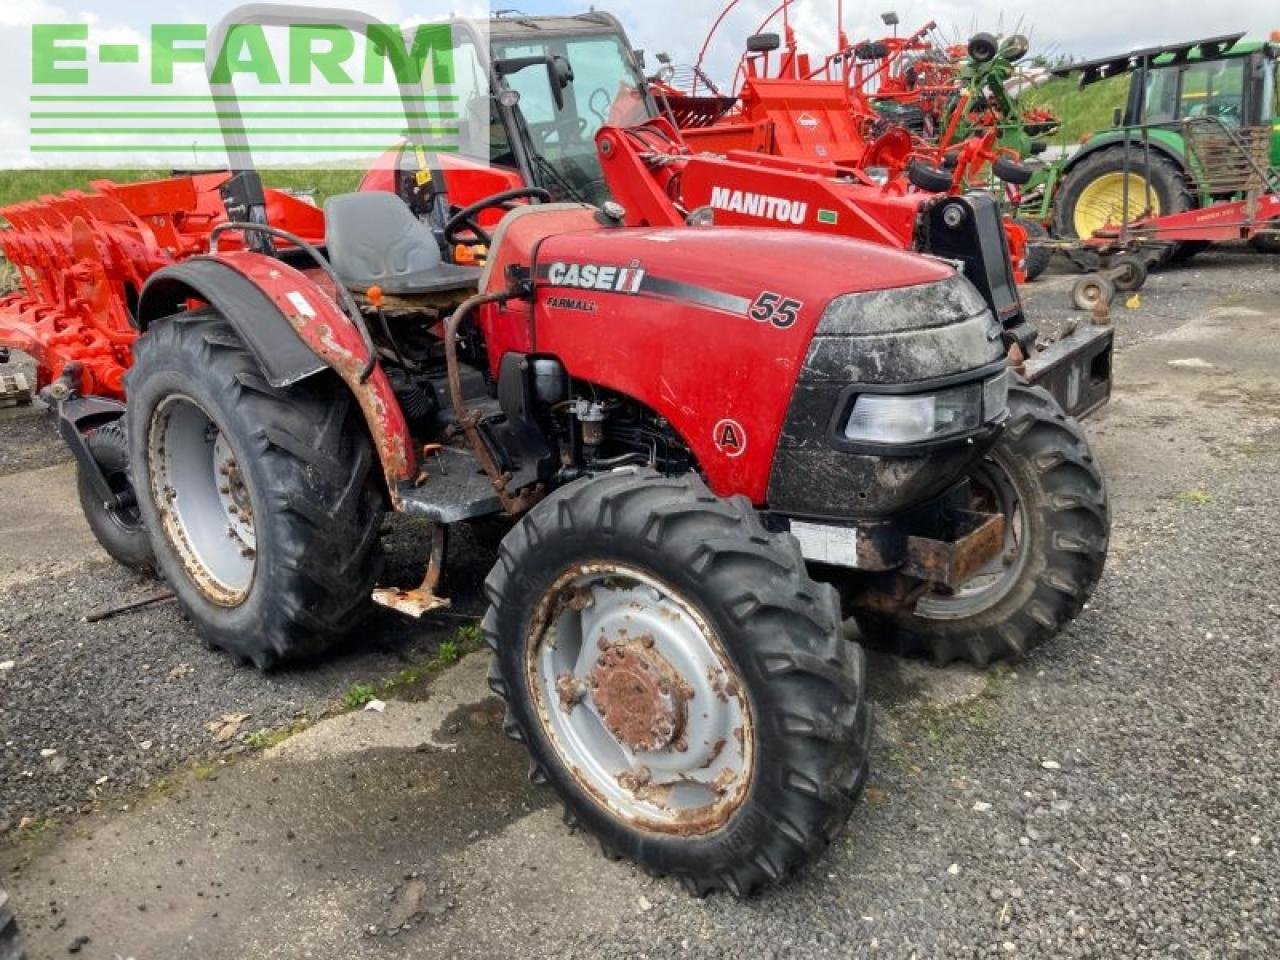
1102,202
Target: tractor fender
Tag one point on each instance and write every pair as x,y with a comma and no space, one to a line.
294,330
1100,143
256,316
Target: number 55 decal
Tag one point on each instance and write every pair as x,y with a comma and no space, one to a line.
776,309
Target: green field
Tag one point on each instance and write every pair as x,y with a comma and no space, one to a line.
18,185
1082,110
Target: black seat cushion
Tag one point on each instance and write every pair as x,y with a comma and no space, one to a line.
374,240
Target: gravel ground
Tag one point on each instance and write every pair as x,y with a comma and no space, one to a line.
1110,796
130,718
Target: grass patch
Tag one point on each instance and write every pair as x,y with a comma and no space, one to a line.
265,738
1082,111
360,695
1195,498
468,639
204,771
938,724
33,829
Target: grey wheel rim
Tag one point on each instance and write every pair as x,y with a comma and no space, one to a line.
995,491
639,700
203,499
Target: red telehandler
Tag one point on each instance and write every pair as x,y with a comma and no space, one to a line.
900,110
687,429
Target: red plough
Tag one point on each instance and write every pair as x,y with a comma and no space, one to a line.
84,258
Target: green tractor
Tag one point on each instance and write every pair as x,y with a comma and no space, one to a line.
1150,163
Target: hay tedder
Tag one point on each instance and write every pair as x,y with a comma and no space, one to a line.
691,430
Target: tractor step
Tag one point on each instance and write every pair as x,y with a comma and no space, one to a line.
15,390
456,488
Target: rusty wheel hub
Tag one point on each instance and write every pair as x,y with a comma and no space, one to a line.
639,695
640,700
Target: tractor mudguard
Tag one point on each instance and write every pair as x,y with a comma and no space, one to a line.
294,330
76,417
281,353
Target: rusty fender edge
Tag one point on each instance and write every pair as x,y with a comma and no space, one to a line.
294,330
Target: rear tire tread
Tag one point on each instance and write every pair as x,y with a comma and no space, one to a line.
324,512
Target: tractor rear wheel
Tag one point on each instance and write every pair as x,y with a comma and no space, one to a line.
1092,194
261,502
1043,477
119,530
679,679
10,940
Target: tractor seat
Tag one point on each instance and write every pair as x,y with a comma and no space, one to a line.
374,240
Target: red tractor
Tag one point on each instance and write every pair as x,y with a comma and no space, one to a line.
686,429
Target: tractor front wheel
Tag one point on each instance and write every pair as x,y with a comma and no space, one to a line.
261,502
679,679
1043,478
119,529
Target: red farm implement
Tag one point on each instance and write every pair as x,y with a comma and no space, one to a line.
829,111
84,257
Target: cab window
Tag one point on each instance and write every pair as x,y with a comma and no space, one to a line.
1197,90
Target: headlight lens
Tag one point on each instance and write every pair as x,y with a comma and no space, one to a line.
995,397
889,419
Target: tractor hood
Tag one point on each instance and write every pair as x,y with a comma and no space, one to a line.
715,329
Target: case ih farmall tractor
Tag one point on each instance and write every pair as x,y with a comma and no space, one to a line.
686,427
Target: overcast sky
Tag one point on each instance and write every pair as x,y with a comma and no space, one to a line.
1080,27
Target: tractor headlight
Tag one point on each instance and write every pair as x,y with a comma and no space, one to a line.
995,397
889,419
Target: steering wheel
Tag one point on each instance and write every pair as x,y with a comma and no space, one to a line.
466,217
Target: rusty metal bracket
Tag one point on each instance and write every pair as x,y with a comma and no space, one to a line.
950,563
419,602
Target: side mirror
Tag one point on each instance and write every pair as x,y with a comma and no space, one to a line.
559,73
1117,117
763,43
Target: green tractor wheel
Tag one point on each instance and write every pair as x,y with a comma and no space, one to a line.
1093,194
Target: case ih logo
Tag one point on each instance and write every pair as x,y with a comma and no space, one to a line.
596,276
760,205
